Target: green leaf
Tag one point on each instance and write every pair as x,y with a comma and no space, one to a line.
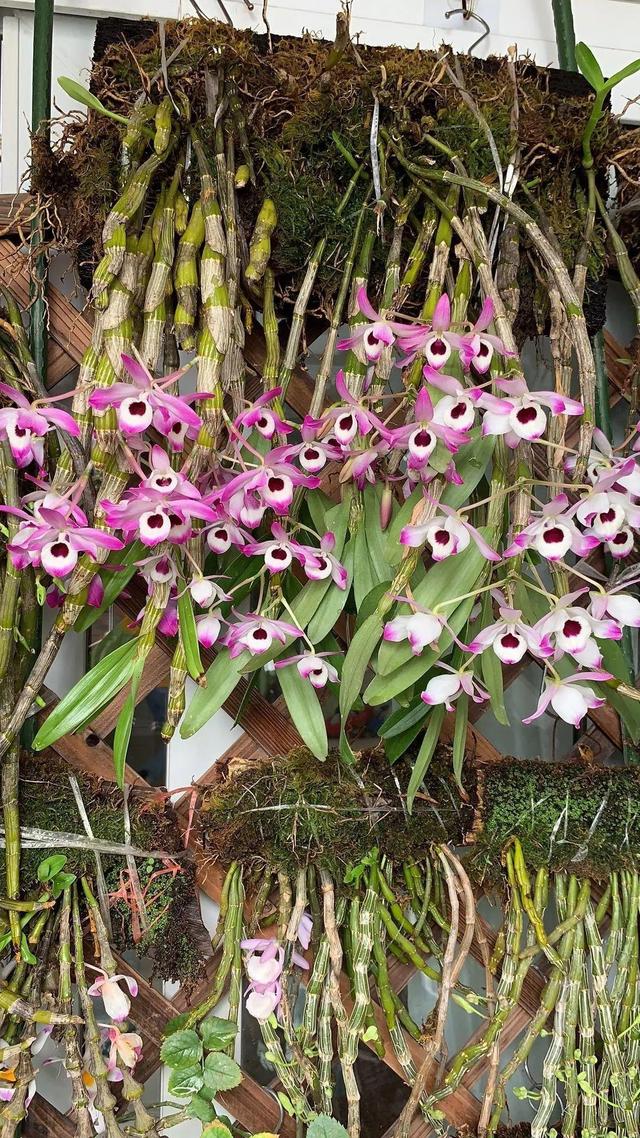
81,95
114,583
493,681
48,868
304,708
201,1109
189,635
60,882
217,1129
371,601
333,603
589,66
395,747
460,736
125,723
181,1050
221,1073
175,1024
425,754
25,951
403,718
222,677
471,465
217,1033
624,73
93,692
185,1082
357,661
375,537
325,1127
394,550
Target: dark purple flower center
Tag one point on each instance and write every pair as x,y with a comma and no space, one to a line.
311,454
260,634
155,521
442,537
60,549
279,554
438,348
138,408
554,535
526,415
161,482
620,538
20,432
484,349
263,421
509,640
275,485
423,439
572,628
458,411
608,515
322,561
221,534
345,422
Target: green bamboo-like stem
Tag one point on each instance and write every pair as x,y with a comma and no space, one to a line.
176,699
271,367
224,905
623,1110
614,939
287,1072
235,971
104,1100
72,1055
565,35
589,1101
197,1014
40,114
11,583
324,1042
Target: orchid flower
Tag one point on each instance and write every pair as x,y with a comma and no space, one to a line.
116,1002
572,629
126,1047
457,408
435,343
279,553
421,628
265,420
620,606
447,534
420,435
622,543
479,348
445,688
54,541
602,461
24,426
144,401
510,637
205,591
360,464
605,510
522,415
256,634
223,534
312,453
305,928
553,533
312,667
269,486
264,965
159,569
161,507
208,628
368,341
569,697
324,564
348,419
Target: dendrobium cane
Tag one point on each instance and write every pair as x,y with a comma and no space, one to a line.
25,426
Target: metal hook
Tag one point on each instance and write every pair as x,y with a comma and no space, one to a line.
469,15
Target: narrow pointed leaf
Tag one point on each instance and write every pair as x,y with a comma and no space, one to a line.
81,95
357,661
189,635
100,685
305,709
124,725
589,66
222,678
425,754
460,736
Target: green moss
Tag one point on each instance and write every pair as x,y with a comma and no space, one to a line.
291,811
585,820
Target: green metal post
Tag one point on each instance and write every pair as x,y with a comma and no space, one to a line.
565,35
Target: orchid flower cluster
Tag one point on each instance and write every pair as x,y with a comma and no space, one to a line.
264,962
248,511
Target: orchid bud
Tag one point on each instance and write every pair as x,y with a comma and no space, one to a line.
242,176
386,506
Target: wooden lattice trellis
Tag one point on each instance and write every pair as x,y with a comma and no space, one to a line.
267,733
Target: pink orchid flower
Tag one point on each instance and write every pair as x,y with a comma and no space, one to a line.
420,435
522,415
256,634
360,464
622,544
605,510
553,533
445,688
208,628
279,553
312,667
435,343
603,461
569,697
265,420
205,591
25,425
55,541
324,564
348,418
161,507
144,401
312,453
269,486
620,606
368,341
510,637
159,569
223,534
421,628
262,1000
572,629
457,409
479,348
305,928
446,534
126,1047
116,1002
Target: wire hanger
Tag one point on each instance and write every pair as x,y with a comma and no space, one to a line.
469,14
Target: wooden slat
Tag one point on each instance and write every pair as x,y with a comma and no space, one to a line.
15,214
45,1121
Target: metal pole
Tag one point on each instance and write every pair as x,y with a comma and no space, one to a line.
565,35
